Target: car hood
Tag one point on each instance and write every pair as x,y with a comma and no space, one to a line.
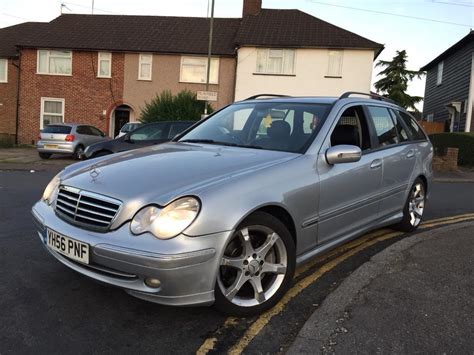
161,173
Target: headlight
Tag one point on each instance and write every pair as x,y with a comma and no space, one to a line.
168,222
51,190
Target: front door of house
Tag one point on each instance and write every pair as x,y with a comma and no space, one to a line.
121,117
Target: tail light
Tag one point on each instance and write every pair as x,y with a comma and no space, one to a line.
70,138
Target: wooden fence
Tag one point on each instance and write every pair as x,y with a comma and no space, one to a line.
432,127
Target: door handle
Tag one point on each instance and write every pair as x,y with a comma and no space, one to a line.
410,154
377,163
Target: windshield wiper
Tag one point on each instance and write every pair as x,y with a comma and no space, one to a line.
227,144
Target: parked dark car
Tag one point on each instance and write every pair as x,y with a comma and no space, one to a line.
148,134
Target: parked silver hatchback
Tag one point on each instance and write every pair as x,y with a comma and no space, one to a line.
71,139
224,213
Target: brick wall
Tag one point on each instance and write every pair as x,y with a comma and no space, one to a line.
85,95
446,162
8,94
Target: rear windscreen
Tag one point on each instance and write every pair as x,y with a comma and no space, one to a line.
57,129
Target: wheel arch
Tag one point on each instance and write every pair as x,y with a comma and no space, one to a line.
280,213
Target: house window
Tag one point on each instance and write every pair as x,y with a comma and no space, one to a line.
144,66
104,65
3,70
194,70
54,62
275,61
335,63
430,117
439,78
52,111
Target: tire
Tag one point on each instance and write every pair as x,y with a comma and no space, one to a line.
44,155
414,207
79,152
261,242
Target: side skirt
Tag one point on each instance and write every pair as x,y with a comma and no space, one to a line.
320,249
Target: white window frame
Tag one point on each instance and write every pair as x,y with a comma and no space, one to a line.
142,61
338,73
439,74
54,99
47,59
267,52
6,70
204,59
104,57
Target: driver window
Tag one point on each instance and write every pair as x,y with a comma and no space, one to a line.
352,129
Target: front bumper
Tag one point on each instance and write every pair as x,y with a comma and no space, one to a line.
186,266
61,147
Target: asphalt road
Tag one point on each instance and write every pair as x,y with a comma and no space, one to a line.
45,307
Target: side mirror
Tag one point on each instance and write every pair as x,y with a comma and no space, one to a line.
343,154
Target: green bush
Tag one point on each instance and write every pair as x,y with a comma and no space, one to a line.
463,141
166,107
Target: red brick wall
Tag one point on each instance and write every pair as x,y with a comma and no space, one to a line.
85,95
8,93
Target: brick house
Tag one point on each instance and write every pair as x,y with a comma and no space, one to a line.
104,70
9,70
449,88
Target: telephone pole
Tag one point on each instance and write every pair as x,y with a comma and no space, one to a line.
209,53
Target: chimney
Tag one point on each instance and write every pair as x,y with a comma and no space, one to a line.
251,7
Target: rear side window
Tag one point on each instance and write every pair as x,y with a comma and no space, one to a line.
96,131
414,129
384,125
402,132
57,129
84,130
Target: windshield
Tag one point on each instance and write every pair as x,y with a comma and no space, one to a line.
281,126
128,127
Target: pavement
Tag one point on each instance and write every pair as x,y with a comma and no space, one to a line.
416,296
28,159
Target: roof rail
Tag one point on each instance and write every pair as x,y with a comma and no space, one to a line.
371,95
261,95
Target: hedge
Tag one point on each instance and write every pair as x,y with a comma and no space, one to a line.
463,141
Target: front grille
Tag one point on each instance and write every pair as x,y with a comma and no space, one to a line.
86,209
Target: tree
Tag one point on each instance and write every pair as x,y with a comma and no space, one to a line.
166,107
395,79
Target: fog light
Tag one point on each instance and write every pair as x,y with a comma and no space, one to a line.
153,283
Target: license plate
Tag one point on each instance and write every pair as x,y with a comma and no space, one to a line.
51,146
69,247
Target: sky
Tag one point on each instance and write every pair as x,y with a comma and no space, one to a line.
425,28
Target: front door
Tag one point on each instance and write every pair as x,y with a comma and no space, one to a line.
121,117
349,192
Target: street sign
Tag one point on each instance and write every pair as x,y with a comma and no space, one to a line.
207,95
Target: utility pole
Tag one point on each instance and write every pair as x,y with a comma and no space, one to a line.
209,53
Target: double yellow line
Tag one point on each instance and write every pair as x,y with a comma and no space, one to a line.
346,251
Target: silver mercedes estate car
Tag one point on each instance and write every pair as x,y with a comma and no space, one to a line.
225,212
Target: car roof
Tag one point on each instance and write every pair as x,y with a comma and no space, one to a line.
326,100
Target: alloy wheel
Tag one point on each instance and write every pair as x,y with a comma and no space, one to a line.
253,266
416,204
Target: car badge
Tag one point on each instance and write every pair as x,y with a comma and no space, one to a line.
94,172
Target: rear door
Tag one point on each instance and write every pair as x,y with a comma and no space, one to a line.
349,192
398,155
